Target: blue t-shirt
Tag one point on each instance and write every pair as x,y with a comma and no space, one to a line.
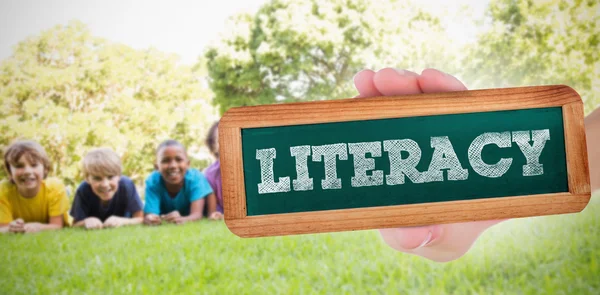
124,203
158,200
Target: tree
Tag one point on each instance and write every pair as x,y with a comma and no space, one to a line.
302,50
540,42
72,91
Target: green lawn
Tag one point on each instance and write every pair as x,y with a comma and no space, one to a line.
552,254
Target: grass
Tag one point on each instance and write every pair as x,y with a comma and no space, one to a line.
549,255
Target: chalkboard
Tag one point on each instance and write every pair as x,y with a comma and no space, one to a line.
403,161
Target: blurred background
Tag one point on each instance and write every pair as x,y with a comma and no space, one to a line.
129,74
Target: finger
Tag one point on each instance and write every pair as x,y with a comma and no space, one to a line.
30,228
15,224
390,81
363,81
16,229
432,80
410,238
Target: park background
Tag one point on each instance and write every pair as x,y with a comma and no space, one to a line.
129,74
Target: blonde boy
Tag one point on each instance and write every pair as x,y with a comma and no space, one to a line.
106,198
30,202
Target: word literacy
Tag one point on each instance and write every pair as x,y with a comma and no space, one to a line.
444,158
368,163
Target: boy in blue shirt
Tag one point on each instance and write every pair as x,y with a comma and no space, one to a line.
174,193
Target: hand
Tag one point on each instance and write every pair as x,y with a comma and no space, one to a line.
173,217
92,223
17,226
152,219
439,243
216,216
33,227
114,221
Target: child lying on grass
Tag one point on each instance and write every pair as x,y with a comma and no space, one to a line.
106,198
213,175
174,193
29,201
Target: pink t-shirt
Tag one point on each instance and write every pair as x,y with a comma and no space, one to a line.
213,175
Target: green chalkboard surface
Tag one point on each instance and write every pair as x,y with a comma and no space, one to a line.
487,168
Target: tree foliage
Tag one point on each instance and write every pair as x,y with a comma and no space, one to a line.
72,91
297,50
540,42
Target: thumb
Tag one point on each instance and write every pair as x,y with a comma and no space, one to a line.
405,239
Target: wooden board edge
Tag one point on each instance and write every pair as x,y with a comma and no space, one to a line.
429,104
232,172
407,215
576,148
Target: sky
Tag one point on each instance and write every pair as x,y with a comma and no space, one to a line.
175,26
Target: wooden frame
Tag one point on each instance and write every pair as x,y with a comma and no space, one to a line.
344,110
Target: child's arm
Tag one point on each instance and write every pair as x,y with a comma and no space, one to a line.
15,226
200,189
89,223
80,210
196,208
211,201
116,221
134,204
137,217
152,206
55,222
4,228
6,217
592,132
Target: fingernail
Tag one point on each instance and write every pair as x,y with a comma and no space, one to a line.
400,72
427,240
405,73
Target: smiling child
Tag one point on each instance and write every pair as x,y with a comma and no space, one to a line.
30,202
106,198
174,193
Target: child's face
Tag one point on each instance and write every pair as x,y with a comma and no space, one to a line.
172,164
27,173
104,186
